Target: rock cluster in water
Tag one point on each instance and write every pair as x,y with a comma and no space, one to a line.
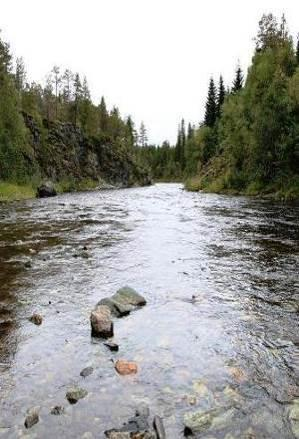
139,427
123,301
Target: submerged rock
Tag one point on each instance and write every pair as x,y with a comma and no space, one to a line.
124,301
73,395
32,417
86,371
293,416
101,323
28,264
46,190
196,422
136,428
36,319
58,410
116,308
159,428
201,420
112,346
124,367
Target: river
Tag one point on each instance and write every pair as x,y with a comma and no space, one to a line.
234,345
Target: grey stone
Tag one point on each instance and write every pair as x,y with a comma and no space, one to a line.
101,323
112,346
196,422
32,417
28,264
116,308
123,301
36,319
86,371
159,427
293,416
129,296
136,427
46,190
57,410
73,395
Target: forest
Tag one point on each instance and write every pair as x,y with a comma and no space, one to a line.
248,141
55,131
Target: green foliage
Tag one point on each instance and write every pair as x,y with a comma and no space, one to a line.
161,161
254,145
14,151
180,147
238,81
45,129
220,97
211,105
12,191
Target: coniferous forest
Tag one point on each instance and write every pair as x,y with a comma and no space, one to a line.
55,132
248,141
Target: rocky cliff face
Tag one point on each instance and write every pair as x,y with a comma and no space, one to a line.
62,151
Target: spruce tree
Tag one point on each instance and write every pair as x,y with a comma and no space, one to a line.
142,135
67,80
57,81
178,145
190,131
220,95
77,97
20,75
183,145
130,129
48,99
211,105
238,81
103,115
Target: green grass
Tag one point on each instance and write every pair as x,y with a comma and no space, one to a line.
278,190
12,191
193,184
72,185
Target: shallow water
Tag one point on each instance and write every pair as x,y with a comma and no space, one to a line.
234,347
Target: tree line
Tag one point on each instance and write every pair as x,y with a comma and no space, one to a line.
248,140
65,97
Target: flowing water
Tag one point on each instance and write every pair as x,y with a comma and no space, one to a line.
234,346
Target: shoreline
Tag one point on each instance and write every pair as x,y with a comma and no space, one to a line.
289,193
10,191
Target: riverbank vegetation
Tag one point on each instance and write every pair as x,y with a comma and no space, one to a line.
56,132
248,141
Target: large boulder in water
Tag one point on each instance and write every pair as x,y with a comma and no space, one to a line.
101,323
46,190
124,301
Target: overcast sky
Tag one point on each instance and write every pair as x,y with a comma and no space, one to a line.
151,58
